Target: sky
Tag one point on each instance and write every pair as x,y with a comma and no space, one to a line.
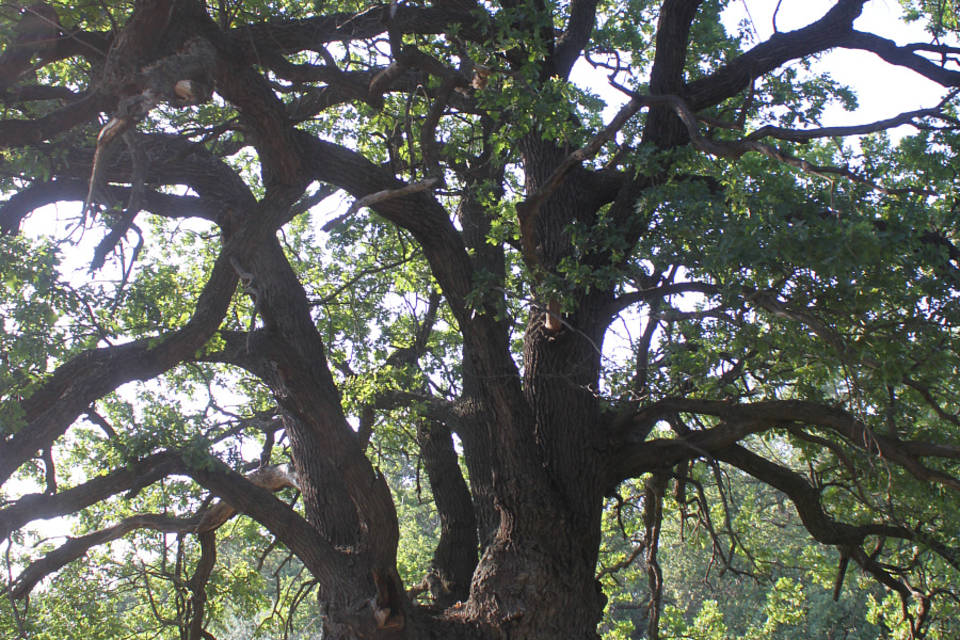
884,90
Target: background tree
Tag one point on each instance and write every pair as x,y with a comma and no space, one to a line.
788,294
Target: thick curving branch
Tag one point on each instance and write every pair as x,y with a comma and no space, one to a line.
653,294
576,35
327,563
736,148
905,56
133,478
907,117
263,116
666,76
415,210
661,455
739,420
825,529
167,205
75,385
272,478
806,499
528,211
203,523
167,160
75,548
487,346
826,33
308,34
19,132
455,556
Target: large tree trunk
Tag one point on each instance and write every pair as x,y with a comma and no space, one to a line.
536,576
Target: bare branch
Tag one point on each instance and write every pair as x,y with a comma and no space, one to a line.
908,117
624,563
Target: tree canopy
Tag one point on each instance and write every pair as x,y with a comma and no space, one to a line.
457,319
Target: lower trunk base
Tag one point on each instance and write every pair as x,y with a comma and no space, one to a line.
527,594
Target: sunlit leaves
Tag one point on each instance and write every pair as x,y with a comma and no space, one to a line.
35,330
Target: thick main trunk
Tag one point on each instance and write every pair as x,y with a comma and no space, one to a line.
536,493
537,584
538,509
547,562
535,470
536,576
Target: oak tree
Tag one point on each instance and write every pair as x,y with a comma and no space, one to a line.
329,245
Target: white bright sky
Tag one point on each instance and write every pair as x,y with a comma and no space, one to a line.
884,90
